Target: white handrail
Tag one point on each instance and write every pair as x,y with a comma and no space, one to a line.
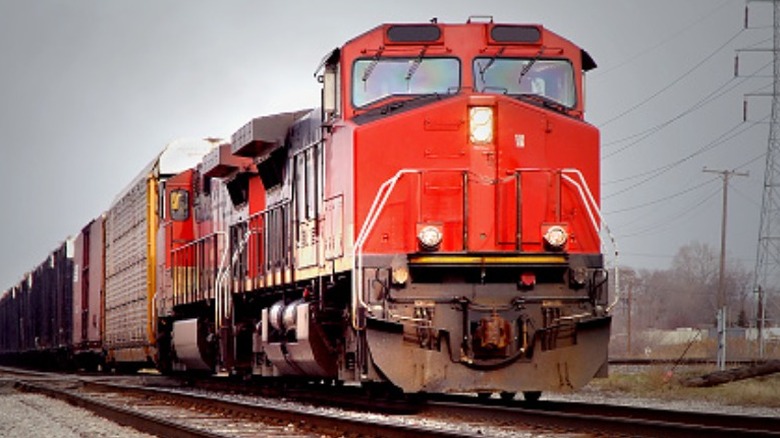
588,196
194,242
217,286
386,189
357,249
221,305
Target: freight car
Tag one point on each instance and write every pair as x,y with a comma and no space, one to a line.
88,295
433,226
36,314
131,226
89,304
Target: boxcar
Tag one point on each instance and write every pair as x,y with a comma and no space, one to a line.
130,255
88,289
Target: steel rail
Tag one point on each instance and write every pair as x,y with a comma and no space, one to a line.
551,415
137,420
681,361
609,419
242,410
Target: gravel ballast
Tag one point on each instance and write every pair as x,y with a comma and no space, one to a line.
26,415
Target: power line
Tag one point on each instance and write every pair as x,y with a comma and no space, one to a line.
756,158
718,92
659,200
670,37
663,169
674,82
746,197
670,220
641,254
646,133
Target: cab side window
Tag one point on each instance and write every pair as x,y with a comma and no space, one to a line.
180,205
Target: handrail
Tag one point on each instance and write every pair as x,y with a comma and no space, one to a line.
174,252
222,308
595,207
193,282
228,262
592,208
357,249
386,189
221,274
194,242
382,195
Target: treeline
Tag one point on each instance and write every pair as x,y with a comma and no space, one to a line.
686,294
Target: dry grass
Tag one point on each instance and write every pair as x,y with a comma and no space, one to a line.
663,382
660,382
736,349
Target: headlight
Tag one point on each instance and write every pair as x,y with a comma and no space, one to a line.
578,276
429,237
399,269
481,124
400,275
556,236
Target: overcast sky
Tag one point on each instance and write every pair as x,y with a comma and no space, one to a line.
90,91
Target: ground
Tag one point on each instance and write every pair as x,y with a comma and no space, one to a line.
663,382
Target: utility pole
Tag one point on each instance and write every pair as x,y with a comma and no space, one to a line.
722,308
760,318
628,323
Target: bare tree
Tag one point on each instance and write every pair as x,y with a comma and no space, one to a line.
686,294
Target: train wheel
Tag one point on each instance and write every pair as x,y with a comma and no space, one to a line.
507,396
532,396
484,395
382,391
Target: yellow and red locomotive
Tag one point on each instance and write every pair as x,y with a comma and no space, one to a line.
433,225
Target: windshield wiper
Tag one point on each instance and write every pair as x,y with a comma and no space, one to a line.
490,62
530,64
374,62
415,65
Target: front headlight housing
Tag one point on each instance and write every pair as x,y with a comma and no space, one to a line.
400,275
430,237
556,236
481,124
578,276
399,270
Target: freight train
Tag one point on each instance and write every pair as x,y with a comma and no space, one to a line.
433,225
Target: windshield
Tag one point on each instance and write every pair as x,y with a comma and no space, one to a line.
553,79
378,78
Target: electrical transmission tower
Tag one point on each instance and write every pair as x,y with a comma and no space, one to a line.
767,280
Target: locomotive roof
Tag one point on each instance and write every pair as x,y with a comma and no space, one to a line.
426,34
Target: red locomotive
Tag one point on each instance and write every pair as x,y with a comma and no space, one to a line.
434,225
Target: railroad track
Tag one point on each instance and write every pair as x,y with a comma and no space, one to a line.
681,361
554,416
474,417
606,419
166,412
